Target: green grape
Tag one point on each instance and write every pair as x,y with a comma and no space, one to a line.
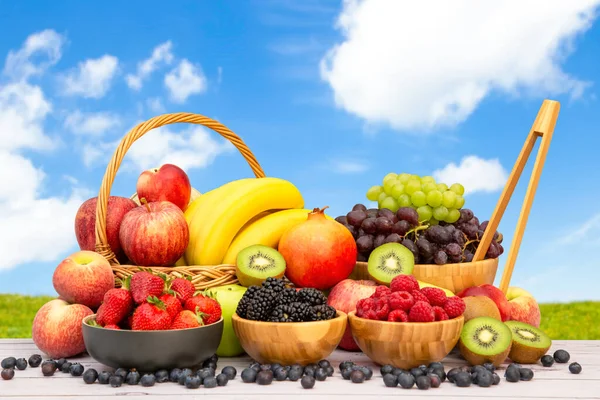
418,198
433,221
425,213
458,189
403,178
459,202
382,196
397,190
412,186
428,187
428,179
389,185
374,192
390,203
416,177
434,198
404,200
391,175
440,213
448,199
442,187
453,216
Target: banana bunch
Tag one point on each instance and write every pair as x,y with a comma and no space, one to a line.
238,214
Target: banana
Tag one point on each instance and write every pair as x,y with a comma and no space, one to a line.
266,231
216,223
448,292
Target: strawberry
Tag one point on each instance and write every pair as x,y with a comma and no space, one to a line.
183,288
187,319
151,316
145,284
116,305
172,304
206,306
112,326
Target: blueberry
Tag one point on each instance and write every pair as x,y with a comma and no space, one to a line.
310,371
357,376
294,374
7,374
320,374
210,382
222,379
255,366
148,380
115,381
60,362
386,369
264,377
407,381
307,382
416,372
345,364
230,372
485,378
183,377
133,377
437,371
214,358
474,377
368,372
489,366
390,380
512,374
435,379
547,360
466,368
575,368
399,371
562,356
35,361
66,367
436,364
174,375
192,381
346,373
8,362
451,374
329,370
265,367
48,368
324,364
21,364
462,379
90,376
162,376
423,367
205,373
122,372
496,378
104,377
275,366
248,375
76,369
525,374
423,382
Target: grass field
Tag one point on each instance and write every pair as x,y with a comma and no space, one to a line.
572,321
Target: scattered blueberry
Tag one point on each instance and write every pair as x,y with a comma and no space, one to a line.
35,361
210,382
512,374
21,364
307,382
368,372
60,362
406,381
547,360
104,377
76,369
48,368
174,375
485,378
249,375
390,380
264,377
423,382
192,381
309,370
205,373
562,356
435,379
416,372
346,364
357,376
265,367
122,372
451,374
294,374
222,379
495,378
90,376
162,376
462,379
489,366
346,373
280,374
320,374
329,370
66,367
148,380
133,377
7,374
230,372
8,362
575,368
115,381
526,374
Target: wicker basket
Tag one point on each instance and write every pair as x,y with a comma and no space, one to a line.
202,276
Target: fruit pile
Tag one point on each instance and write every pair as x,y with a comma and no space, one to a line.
404,301
265,374
275,301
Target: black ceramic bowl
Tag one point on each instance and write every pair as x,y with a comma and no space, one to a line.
152,350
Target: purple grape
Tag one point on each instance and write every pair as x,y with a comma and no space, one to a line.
355,218
454,259
364,244
409,244
425,247
484,225
409,215
384,225
386,213
475,221
393,238
440,257
459,238
500,249
468,256
342,220
372,212
437,234
493,251
450,228
359,207
453,250
401,227
360,232
465,215
368,225
379,240
470,230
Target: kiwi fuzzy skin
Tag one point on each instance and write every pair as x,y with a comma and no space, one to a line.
476,359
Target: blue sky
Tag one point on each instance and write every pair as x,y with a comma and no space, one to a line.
329,95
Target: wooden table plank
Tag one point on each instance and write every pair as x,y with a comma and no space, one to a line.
550,383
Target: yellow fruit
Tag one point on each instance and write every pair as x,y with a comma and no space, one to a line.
448,292
227,210
181,262
266,231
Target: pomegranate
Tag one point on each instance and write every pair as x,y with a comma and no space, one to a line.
319,252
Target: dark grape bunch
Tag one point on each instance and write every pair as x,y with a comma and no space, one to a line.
440,243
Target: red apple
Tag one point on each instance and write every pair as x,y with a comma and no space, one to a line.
167,183
83,278
154,234
344,297
56,328
493,293
85,223
523,306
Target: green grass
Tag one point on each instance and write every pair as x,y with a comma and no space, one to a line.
571,321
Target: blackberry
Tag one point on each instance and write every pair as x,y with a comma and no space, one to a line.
324,312
283,313
302,311
312,296
287,296
261,305
245,301
277,285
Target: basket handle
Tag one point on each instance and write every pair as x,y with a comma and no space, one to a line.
134,134
543,127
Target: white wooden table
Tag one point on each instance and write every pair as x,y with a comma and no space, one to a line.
549,383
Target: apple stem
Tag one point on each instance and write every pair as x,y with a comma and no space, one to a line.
144,202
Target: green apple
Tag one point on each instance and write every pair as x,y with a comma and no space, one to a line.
228,297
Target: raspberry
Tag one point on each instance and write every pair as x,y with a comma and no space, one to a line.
370,314
382,308
421,312
401,301
436,296
418,296
440,314
397,316
404,283
381,291
364,305
454,307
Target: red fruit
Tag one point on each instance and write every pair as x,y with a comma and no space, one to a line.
370,314
172,304
454,307
440,314
318,252
151,316
421,312
381,291
401,301
116,305
382,308
207,307
493,293
112,326
404,283
145,284
183,288
419,296
364,305
186,319
436,296
397,316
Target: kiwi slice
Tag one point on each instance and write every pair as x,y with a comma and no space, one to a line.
256,263
484,340
389,260
529,343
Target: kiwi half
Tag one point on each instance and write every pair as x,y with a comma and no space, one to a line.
256,263
529,343
389,260
484,340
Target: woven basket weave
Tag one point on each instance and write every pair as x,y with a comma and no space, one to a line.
205,276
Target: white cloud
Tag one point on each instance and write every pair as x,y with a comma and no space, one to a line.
475,174
91,123
92,78
423,64
185,80
588,232
155,105
18,63
161,55
348,166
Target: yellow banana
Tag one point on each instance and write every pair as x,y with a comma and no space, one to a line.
217,222
448,292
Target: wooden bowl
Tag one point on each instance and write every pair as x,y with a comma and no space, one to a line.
288,343
454,277
405,344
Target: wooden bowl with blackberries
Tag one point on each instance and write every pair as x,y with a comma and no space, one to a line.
277,323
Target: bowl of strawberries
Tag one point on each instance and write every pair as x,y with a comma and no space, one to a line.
407,326
154,322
